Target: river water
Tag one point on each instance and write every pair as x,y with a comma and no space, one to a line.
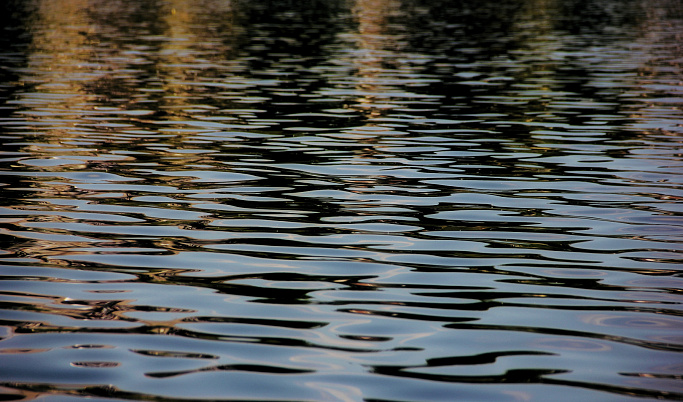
341,200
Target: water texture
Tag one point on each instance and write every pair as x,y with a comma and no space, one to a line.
341,200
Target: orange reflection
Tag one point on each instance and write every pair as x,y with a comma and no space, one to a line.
376,46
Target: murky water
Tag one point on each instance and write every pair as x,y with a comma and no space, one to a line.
341,200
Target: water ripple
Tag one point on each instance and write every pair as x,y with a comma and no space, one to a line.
340,200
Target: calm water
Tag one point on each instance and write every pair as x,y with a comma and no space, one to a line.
341,200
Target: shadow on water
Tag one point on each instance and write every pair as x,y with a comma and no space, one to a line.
340,200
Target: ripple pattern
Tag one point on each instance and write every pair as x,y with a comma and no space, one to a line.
382,200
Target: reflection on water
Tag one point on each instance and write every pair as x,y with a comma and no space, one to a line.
341,200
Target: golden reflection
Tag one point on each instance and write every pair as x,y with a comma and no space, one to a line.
61,50
377,49
176,51
373,24
60,61
48,251
21,394
192,44
82,59
24,351
65,71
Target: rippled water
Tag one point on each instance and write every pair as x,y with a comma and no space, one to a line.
341,200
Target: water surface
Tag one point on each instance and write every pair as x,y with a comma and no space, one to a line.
339,200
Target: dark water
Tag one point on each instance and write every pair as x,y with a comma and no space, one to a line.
402,200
